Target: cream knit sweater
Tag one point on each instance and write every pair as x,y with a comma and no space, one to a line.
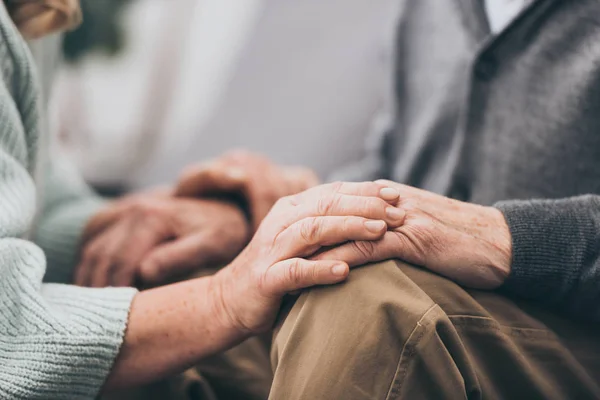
56,341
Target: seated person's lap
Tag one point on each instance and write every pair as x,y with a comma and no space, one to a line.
396,331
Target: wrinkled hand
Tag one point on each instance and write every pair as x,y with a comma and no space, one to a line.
111,213
260,182
275,262
468,243
153,238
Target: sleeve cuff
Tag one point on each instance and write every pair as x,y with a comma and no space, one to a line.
70,353
552,241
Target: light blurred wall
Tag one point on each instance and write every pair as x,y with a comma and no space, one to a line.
299,81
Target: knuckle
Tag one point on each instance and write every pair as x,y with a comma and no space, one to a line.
372,187
409,203
264,281
364,248
326,204
348,223
312,274
294,272
422,242
336,186
310,230
371,203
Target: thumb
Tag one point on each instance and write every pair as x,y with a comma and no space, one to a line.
174,258
297,273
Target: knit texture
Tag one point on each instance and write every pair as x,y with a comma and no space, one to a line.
56,341
555,250
503,120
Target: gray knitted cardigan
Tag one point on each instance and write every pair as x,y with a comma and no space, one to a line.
511,121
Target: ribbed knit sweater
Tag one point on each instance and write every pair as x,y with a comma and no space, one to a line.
56,341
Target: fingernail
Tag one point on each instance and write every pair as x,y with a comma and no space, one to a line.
339,269
236,173
389,194
395,214
375,226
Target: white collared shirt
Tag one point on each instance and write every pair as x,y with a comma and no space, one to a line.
501,13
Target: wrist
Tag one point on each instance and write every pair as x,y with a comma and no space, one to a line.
501,239
222,300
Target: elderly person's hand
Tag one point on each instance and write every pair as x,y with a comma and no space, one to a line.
465,242
151,238
277,261
173,326
257,180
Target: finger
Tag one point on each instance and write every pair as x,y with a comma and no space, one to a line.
370,189
144,236
91,257
216,177
343,205
265,185
100,272
90,260
305,237
83,268
296,274
263,182
363,252
105,218
260,202
175,258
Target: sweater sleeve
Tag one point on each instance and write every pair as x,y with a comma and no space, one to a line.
67,204
56,341
556,253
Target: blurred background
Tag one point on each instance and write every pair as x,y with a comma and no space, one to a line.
147,87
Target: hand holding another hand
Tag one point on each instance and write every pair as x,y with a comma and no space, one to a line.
257,180
277,260
151,238
465,242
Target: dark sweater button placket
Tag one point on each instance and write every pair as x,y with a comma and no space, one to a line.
486,67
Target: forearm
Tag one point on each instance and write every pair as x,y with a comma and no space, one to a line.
170,329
